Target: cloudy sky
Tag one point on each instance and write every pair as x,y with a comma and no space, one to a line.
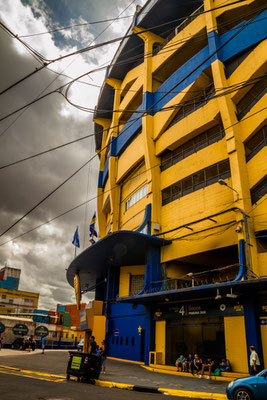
44,254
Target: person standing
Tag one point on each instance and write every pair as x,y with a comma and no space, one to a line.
1,342
92,345
43,342
103,352
254,361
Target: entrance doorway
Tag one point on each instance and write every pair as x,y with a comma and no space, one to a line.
204,336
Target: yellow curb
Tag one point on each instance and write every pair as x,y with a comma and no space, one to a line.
186,374
128,361
33,372
191,394
18,373
114,385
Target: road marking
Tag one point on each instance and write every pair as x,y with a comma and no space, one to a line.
19,373
25,371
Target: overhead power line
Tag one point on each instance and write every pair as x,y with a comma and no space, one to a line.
47,62
68,84
66,180
74,26
106,191
104,30
178,105
166,48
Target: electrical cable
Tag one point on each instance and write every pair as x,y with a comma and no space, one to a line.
100,195
100,133
89,48
74,26
143,112
14,121
66,180
75,79
151,53
70,83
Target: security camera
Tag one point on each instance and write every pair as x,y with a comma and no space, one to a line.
238,229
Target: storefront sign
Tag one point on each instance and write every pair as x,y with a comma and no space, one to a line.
262,306
41,331
83,320
2,327
20,329
201,309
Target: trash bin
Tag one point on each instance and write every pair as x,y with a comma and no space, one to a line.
84,366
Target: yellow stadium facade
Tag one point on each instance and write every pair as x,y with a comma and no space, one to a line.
180,128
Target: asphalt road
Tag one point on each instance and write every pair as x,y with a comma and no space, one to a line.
43,376
15,387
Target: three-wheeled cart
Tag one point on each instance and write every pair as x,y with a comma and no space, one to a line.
84,366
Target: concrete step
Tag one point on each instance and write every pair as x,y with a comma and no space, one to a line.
169,369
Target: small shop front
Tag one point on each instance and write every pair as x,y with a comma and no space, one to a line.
200,327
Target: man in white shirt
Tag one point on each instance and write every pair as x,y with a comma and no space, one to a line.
254,361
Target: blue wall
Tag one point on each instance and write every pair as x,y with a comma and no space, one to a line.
10,283
124,322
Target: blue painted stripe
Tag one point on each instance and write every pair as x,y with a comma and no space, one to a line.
183,75
113,147
106,171
128,131
146,220
251,34
100,179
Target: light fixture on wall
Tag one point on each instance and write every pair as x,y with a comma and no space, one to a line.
218,296
223,183
231,295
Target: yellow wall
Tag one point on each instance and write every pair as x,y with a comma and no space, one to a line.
160,339
132,218
99,328
125,274
235,343
17,296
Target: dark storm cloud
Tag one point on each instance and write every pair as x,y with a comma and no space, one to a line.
44,254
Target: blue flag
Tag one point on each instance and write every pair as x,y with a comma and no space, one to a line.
92,227
76,240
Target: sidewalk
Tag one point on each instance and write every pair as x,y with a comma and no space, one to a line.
119,374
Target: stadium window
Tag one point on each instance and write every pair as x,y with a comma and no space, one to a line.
256,142
199,142
198,180
136,196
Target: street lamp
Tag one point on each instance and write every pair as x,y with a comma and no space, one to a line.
223,183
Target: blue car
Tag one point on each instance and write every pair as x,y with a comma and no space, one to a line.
250,388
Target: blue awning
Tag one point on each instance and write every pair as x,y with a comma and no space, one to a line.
117,249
